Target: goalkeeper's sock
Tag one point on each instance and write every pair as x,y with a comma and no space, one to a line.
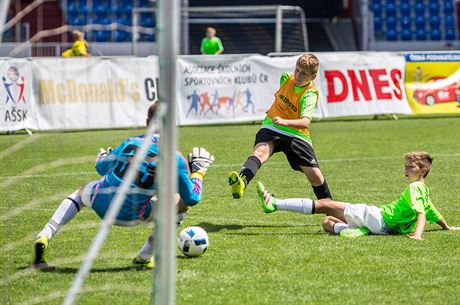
322,191
67,210
249,169
146,251
300,205
339,226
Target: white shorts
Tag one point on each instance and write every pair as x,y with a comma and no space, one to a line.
359,215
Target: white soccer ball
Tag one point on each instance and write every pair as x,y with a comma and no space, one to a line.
193,241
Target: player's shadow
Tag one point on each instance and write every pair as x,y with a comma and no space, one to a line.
66,270
211,227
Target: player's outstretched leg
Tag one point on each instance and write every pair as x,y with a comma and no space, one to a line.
144,258
267,201
236,184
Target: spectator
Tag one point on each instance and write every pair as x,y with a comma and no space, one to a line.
211,44
79,47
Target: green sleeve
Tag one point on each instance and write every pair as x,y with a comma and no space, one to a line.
308,103
284,77
432,215
219,43
417,197
202,45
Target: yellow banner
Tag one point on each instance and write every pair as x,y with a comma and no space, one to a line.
433,82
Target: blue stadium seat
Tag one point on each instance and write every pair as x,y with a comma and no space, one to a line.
449,21
420,34
406,34
406,22
435,34
450,34
145,3
147,22
121,36
80,20
435,21
378,24
448,7
419,8
433,7
376,8
404,9
124,20
420,22
391,22
101,8
392,35
102,36
390,9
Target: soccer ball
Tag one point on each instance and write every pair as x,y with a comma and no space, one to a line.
193,241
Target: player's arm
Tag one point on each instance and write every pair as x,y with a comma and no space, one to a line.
106,159
443,224
307,107
419,227
221,47
296,123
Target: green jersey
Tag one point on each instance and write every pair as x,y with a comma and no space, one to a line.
211,46
401,215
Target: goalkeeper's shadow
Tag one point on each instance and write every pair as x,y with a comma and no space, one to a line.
70,270
211,227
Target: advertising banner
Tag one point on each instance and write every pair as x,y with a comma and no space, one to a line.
81,93
16,102
433,82
361,83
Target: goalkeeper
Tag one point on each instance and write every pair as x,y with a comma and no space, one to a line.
286,129
139,203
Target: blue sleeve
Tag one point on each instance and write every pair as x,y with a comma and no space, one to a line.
190,190
104,165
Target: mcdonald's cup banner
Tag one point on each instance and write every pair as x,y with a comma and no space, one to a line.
361,83
433,82
81,93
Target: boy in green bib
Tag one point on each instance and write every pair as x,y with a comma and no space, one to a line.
405,215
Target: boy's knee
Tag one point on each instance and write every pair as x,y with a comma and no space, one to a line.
328,224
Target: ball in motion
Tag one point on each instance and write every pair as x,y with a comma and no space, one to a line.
193,241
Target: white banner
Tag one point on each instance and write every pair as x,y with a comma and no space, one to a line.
362,83
80,93
17,106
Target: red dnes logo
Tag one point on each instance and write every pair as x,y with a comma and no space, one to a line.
367,85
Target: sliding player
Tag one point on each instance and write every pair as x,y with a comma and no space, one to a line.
407,214
138,204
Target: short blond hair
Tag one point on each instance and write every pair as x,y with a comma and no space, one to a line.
421,158
309,62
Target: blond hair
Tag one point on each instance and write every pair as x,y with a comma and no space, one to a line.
421,158
309,62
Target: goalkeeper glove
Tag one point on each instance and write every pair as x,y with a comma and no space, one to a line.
102,154
199,160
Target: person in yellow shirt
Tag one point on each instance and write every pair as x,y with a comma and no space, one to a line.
79,47
211,44
286,129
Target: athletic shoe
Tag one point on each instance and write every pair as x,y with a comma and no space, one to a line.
236,184
267,201
352,233
38,257
146,263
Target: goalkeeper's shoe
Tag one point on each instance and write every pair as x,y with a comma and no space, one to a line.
353,233
267,201
38,257
145,263
236,184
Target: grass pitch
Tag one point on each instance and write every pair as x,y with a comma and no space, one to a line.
281,258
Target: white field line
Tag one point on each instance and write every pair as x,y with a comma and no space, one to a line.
62,261
30,205
29,238
53,297
26,175
18,146
43,167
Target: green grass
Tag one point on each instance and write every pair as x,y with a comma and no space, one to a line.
281,258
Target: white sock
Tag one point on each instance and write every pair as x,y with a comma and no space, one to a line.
146,251
63,214
339,226
301,205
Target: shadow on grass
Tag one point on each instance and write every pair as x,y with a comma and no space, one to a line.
54,269
211,227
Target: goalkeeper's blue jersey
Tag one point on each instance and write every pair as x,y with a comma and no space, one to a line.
137,203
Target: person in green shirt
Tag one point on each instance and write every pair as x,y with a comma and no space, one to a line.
211,44
405,215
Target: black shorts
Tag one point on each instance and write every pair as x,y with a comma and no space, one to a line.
297,151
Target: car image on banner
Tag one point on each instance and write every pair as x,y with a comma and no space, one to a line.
437,90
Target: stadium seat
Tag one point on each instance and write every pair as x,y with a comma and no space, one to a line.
404,9
121,36
392,35
124,20
419,8
102,36
376,8
147,21
406,34
448,7
378,24
420,22
449,21
433,7
420,34
391,22
435,34
435,21
406,22
450,34
390,9
80,20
